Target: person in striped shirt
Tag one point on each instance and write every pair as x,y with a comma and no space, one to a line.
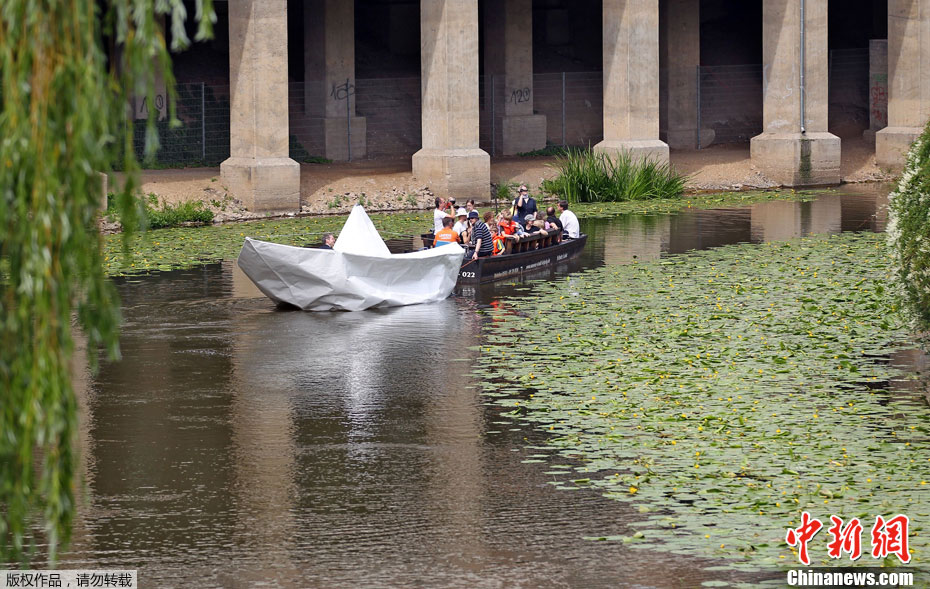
480,237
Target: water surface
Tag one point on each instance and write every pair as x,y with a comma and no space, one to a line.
237,445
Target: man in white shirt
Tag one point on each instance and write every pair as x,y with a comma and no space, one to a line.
438,215
569,220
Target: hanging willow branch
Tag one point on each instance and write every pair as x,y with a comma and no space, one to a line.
64,118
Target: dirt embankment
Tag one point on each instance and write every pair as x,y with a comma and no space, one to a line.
388,185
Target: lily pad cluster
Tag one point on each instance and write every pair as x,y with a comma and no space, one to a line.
184,247
723,392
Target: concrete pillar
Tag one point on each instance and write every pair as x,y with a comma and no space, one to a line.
329,74
908,80
631,79
451,161
878,88
782,151
508,56
681,55
259,171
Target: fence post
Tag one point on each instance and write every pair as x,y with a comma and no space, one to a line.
203,125
563,109
493,129
698,107
348,122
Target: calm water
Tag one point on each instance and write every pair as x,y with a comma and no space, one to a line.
236,445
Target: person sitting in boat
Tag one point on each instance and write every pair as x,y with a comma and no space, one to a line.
524,204
506,225
569,221
480,241
328,241
529,223
447,234
439,213
498,240
461,223
552,220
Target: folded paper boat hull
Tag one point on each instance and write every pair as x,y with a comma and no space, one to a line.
327,280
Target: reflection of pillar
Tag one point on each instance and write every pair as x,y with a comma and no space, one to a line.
329,74
262,432
81,538
242,285
450,160
259,171
775,221
790,151
639,238
508,55
681,56
631,79
826,214
908,80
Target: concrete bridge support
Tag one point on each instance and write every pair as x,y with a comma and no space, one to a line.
631,80
508,56
259,171
792,151
681,55
908,80
450,159
329,74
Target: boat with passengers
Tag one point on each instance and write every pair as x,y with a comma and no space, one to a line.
521,255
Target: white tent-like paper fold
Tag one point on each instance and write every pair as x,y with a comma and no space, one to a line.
358,273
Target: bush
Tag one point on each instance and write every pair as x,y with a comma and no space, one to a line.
589,176
909,232
158,216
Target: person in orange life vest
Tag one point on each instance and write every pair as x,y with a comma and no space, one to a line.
446,234
506,224
497,240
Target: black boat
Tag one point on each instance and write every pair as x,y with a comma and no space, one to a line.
526,254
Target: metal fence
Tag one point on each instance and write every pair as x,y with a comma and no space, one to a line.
729,104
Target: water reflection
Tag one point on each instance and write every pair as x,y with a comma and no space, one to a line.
238,445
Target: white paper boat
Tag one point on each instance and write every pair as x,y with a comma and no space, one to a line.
358,273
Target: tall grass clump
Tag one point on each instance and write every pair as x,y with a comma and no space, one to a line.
589,176
909,232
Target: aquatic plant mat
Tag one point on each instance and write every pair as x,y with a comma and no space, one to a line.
169,249
721,393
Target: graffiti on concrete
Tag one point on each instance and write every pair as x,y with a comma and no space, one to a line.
342,91
520,95
878,101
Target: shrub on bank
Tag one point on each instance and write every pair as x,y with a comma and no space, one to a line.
909,232
589,176
157,215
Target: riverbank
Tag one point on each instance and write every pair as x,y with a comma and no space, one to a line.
389,185
184,247
725,392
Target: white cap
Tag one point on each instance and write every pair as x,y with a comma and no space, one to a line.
461,212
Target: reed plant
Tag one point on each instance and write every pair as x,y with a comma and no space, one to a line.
590,176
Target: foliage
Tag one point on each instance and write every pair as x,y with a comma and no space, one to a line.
594,176
548,150
168,215
168,249
300,154
721,393
63,120
909,232
159,215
